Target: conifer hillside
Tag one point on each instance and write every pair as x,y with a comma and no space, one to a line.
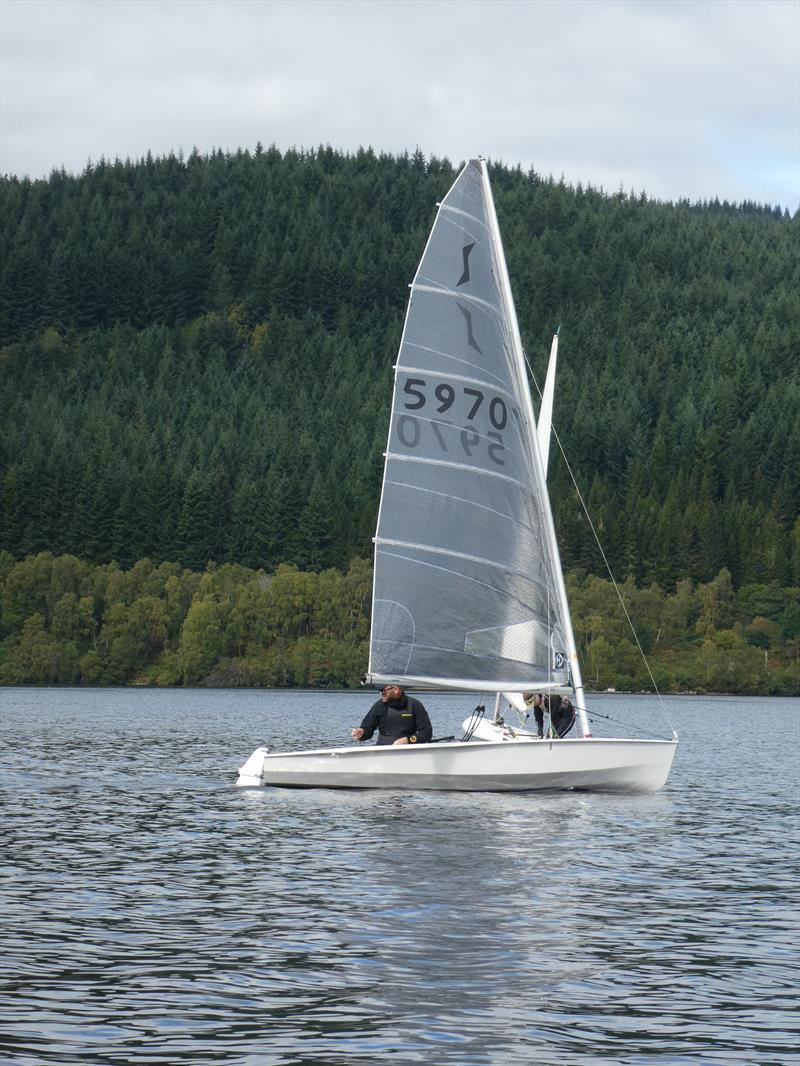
196,362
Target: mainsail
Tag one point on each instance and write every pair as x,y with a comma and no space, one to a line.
466,587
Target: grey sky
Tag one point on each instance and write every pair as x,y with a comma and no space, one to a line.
696,99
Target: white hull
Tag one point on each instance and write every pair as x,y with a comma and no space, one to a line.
482,766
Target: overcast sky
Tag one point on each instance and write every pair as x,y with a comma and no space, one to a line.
696,99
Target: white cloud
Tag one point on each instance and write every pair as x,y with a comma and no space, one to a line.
695,99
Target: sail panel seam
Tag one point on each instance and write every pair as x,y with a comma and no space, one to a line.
447,355
455,651
458,573
462,228
468,429
439,290
456,555
460,211
469,503
459,466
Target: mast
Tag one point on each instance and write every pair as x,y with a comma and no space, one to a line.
525,394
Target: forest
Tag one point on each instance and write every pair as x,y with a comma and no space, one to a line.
66,621
196,360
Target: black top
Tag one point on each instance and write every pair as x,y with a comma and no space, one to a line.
562,714
405,717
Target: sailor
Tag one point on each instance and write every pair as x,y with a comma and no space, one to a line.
398,717
560,709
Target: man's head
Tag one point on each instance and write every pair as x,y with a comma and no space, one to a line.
391,692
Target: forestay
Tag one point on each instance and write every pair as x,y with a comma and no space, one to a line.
465,587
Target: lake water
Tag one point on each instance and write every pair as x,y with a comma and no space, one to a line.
154,913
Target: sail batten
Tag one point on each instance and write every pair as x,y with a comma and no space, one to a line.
435,550
456,358
460,499
464,590
448,209
476,300
456,574
476,470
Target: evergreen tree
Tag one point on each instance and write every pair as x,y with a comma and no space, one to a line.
194,348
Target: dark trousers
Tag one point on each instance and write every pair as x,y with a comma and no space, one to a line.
538,714
561,720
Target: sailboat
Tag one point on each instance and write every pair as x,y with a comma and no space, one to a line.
468,589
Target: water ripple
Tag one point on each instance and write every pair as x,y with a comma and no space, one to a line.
155,914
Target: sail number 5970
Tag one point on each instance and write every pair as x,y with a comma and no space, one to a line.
445,397
410,429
